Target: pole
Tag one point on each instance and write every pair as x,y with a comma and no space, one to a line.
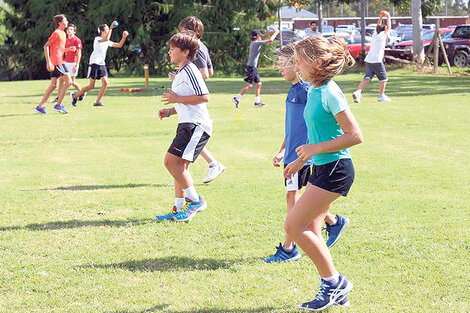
280,22
320,16
363,27
146,74
436,46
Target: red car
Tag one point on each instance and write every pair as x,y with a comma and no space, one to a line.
354,44
427,38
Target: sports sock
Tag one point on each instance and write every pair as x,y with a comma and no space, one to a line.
179,203
288,250
336,222
333,280
238,97
191,193
257,99
213,164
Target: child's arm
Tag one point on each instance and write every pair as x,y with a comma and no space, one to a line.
280,155
79,58
70,49
122,41
46,54
166,112
389,21
273,35
172,97
108,36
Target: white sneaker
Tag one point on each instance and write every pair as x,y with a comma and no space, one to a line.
357,96
384,98
213,172
235,102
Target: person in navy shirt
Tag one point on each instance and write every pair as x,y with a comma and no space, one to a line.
296,136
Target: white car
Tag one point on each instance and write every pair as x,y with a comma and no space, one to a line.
393,38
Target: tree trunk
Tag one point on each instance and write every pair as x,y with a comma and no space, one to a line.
363,27
417,20
320,16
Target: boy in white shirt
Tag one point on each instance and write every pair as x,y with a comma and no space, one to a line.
190,95
97,66
374,60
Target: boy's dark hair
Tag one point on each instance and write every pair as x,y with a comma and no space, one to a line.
254,34
58,18
185,41
101,28
380,28
312,23
72,26
194,24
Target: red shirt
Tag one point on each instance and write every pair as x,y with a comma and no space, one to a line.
72,57
57,47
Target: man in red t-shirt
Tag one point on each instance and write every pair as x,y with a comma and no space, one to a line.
54,52
72,59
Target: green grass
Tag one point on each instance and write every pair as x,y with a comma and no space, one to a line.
78,194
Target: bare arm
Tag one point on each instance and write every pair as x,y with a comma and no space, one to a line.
46,54
108,36
280,155
172,97
352,136
211,71
389,23
205,72
273,36
122,41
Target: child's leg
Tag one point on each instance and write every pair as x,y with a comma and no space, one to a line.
207,156
104,85
363,84
48,92
90,86
291,199
303,225
382,86
330,219
76,84
178,168
65,82
258,89
245,88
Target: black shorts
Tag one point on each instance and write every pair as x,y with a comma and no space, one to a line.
60,70
299,180
336,176
96,71
376,69
189,141
252,75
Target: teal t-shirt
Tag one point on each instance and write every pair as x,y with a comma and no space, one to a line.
323,103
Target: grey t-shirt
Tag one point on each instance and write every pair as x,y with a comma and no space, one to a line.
255,50
203,59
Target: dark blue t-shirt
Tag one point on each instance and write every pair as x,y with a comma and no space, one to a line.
295,128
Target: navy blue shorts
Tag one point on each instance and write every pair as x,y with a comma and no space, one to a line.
378,69
252,75
336,176
60,70
96,71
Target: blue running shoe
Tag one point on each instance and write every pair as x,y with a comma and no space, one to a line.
98,104
169,216
60,108
73,100
282,256
334,231
80,98
329,294
190,209
342,302
41,110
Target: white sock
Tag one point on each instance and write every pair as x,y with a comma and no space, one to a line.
257,100
213,164
191,193
238,97
179,203
288,250
332,279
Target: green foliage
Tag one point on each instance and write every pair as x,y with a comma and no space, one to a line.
150,24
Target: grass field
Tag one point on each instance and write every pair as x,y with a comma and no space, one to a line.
78,193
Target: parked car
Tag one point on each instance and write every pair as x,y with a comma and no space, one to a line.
429,26
458,46
341,28
427,36
402,28
354,44
393,38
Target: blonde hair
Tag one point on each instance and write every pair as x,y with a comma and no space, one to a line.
287,53
326,58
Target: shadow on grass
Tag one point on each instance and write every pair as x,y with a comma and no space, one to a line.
79,224
171,264
17,114
99,187
163,308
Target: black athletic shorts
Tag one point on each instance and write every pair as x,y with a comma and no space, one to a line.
252,75
96,71
336,176
299,180
376,69
60,70
189,141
